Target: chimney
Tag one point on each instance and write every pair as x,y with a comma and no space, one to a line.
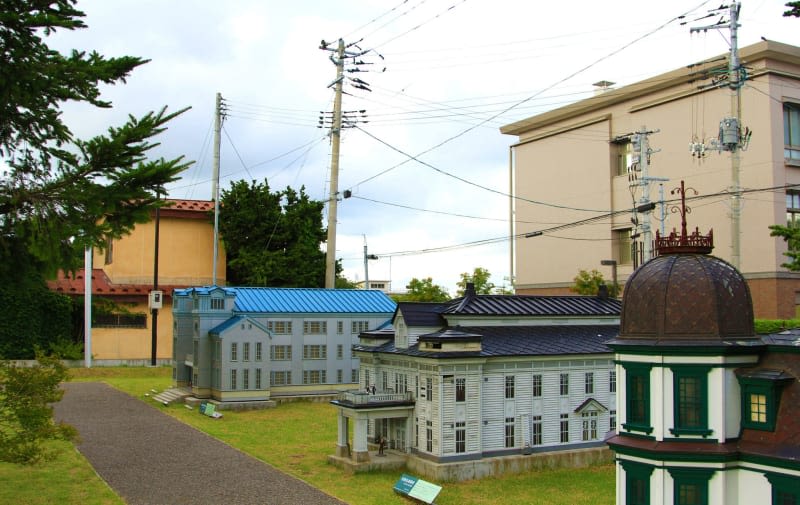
602,292
470,289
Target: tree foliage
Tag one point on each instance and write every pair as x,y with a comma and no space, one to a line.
790,235
794,9
588,283
26,413
61,193
423,290
479,278
272,238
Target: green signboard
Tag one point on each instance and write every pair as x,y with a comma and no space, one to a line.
417,488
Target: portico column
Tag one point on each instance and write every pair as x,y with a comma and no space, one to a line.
341,436
360,451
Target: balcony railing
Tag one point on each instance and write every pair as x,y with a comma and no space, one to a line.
362,398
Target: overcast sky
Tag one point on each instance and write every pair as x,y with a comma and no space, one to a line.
455,71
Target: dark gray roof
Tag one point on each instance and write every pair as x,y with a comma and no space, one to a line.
534,305
521,341
421,313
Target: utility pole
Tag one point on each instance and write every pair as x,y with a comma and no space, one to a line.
336,130
338,56
367,257
731,137
640,177
215,184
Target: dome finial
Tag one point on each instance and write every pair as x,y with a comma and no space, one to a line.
685,243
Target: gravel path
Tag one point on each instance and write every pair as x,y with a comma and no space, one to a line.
149,458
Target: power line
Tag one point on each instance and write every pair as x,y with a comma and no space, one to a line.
521,102
591,220
466,181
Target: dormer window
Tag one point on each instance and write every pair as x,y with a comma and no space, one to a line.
217,303
761,397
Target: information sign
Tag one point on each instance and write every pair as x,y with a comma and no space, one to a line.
417,488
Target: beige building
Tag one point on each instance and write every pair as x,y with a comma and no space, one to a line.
123,274
575,179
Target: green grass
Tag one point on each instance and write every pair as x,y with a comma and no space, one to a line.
66,479
296,438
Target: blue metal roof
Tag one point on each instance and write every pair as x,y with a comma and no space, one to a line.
312,300
220,328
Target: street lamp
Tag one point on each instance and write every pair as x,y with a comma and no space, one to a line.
613,265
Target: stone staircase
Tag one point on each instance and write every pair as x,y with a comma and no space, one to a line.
170,395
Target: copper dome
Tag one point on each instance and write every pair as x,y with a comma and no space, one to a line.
686,297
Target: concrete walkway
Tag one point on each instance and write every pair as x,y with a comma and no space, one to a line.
149,458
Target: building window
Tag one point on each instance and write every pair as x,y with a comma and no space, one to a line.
314,376
339,351
589,424
358,326
612,420
637,397
588,383
564,428
461,389
537,386
258,351
315,327
385,381
217,303
246,351
280,352
509,386
637,483
315,351
339,376
233,379
339,327
258,378
429,389
400,383
564,384
793,208
246,378
461,437
612,381
761,392
280,327
354,375
690,404
119,321
623,155
785,489
536,430
509,432
429,436
623,246
791,131
280,378
690,485
234,351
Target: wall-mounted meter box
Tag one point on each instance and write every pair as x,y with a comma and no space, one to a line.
156,299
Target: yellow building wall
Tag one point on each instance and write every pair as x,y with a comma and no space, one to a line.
185,257
134,343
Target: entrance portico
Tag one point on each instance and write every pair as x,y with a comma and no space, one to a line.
394,410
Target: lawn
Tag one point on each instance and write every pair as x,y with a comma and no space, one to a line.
298,437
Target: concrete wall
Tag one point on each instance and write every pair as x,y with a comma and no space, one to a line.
492,467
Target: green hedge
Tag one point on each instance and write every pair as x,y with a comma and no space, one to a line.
33,318
765,326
